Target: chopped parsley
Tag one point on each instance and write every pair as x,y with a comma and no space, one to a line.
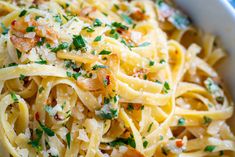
97,23
161,138
4,29
145,144
70,64
116,6
130,107
114,34
76,75
22,13
40,90
127,19
118,142
119,25
107,112
36,143
22,77
144,44
151,63
123,141
162,61
41,62
62,46
47,130
150,127
19,54
68,139
12,64
14,97
181,121
78,42
209,148
30,29
58,19
166,87
89,29
96,66
206,120
104,52
98,38
41,41
69,74
145,77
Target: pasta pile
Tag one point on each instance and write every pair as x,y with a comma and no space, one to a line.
109,78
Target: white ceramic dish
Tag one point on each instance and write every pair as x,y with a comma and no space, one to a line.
217,17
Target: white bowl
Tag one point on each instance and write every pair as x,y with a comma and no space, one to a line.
216,17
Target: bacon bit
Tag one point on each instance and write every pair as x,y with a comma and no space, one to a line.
131,152
179,143
86,11
37,116
138,16
18,30
23,44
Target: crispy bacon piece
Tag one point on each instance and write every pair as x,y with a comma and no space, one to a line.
138,15
25,43
131,152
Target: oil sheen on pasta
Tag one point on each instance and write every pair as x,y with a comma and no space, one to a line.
109,78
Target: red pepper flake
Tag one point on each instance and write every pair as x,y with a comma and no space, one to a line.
37,116
13,22
179,143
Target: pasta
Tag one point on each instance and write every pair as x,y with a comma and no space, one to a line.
109,78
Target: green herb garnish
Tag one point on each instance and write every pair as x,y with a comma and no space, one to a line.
61,46
151,63
181,121
41,62
47,130
166,87
14,97
98,38
4,29
207,120
209,148
104,52
127,19
68,139
145,144
19,54
78,42
30,29
22,13
22,77
150,127
97,66
97,23
107,112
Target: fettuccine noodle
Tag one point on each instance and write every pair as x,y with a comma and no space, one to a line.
109,78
